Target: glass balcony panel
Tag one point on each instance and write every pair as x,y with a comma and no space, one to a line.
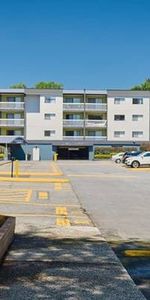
73,123
95,123
12,122
73,106
12,105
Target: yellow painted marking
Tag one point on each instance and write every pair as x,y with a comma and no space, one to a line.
61,211
41,180
32,173
43,195
58,186
28,197
15,195
62,222
83,222
102,175
55,168
139,169
31,203
137,253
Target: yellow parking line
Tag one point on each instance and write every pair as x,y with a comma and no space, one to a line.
6,201
82,222
55,168
62,222
58,186
33,173
61,211
28,196
41,180
136,253
102,175
139,169
43,195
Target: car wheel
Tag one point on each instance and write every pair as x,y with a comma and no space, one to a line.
118,161
135,164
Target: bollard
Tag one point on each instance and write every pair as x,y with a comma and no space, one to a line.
55,156
16,168
12,167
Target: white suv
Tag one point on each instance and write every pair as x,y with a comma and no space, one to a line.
137,161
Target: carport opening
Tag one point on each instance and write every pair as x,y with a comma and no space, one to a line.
73,152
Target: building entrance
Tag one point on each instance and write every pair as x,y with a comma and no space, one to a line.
73,152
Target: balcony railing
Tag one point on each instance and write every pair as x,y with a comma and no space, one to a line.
88,123
95,123
12,122
86,106
96,106
12,105
73,106
87,137
73,123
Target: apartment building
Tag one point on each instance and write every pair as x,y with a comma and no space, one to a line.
36,123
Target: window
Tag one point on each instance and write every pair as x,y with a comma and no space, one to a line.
137,117
49,116
49,132
119,117
137,134
137,101
11,99
73,100
50,99
94,100
119,100
119,133
147,154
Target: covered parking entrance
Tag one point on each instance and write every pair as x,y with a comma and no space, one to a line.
73,152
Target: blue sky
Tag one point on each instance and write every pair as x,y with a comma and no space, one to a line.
81,43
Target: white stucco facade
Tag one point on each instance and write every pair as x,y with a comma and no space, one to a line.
39,114
135,123
43,116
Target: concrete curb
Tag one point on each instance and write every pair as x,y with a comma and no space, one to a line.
6,235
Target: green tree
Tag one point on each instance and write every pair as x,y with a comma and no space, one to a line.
19,85
48,85
145,86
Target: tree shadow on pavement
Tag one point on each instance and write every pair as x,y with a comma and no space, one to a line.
137,265
39,267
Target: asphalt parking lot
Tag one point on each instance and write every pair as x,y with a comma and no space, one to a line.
85,194
117,199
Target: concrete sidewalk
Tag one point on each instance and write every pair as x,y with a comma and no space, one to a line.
48,262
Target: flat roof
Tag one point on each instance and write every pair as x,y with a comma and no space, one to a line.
88,92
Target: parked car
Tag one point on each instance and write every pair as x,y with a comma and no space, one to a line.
118,157
137,161
128,154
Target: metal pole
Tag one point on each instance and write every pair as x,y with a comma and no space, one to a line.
12,167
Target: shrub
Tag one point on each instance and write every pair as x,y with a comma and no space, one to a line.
103,155
145,147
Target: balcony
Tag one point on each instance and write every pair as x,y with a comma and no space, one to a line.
73,123
73,106
95,123
86,106
12,122
11,105
87,123
96,107
80,137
